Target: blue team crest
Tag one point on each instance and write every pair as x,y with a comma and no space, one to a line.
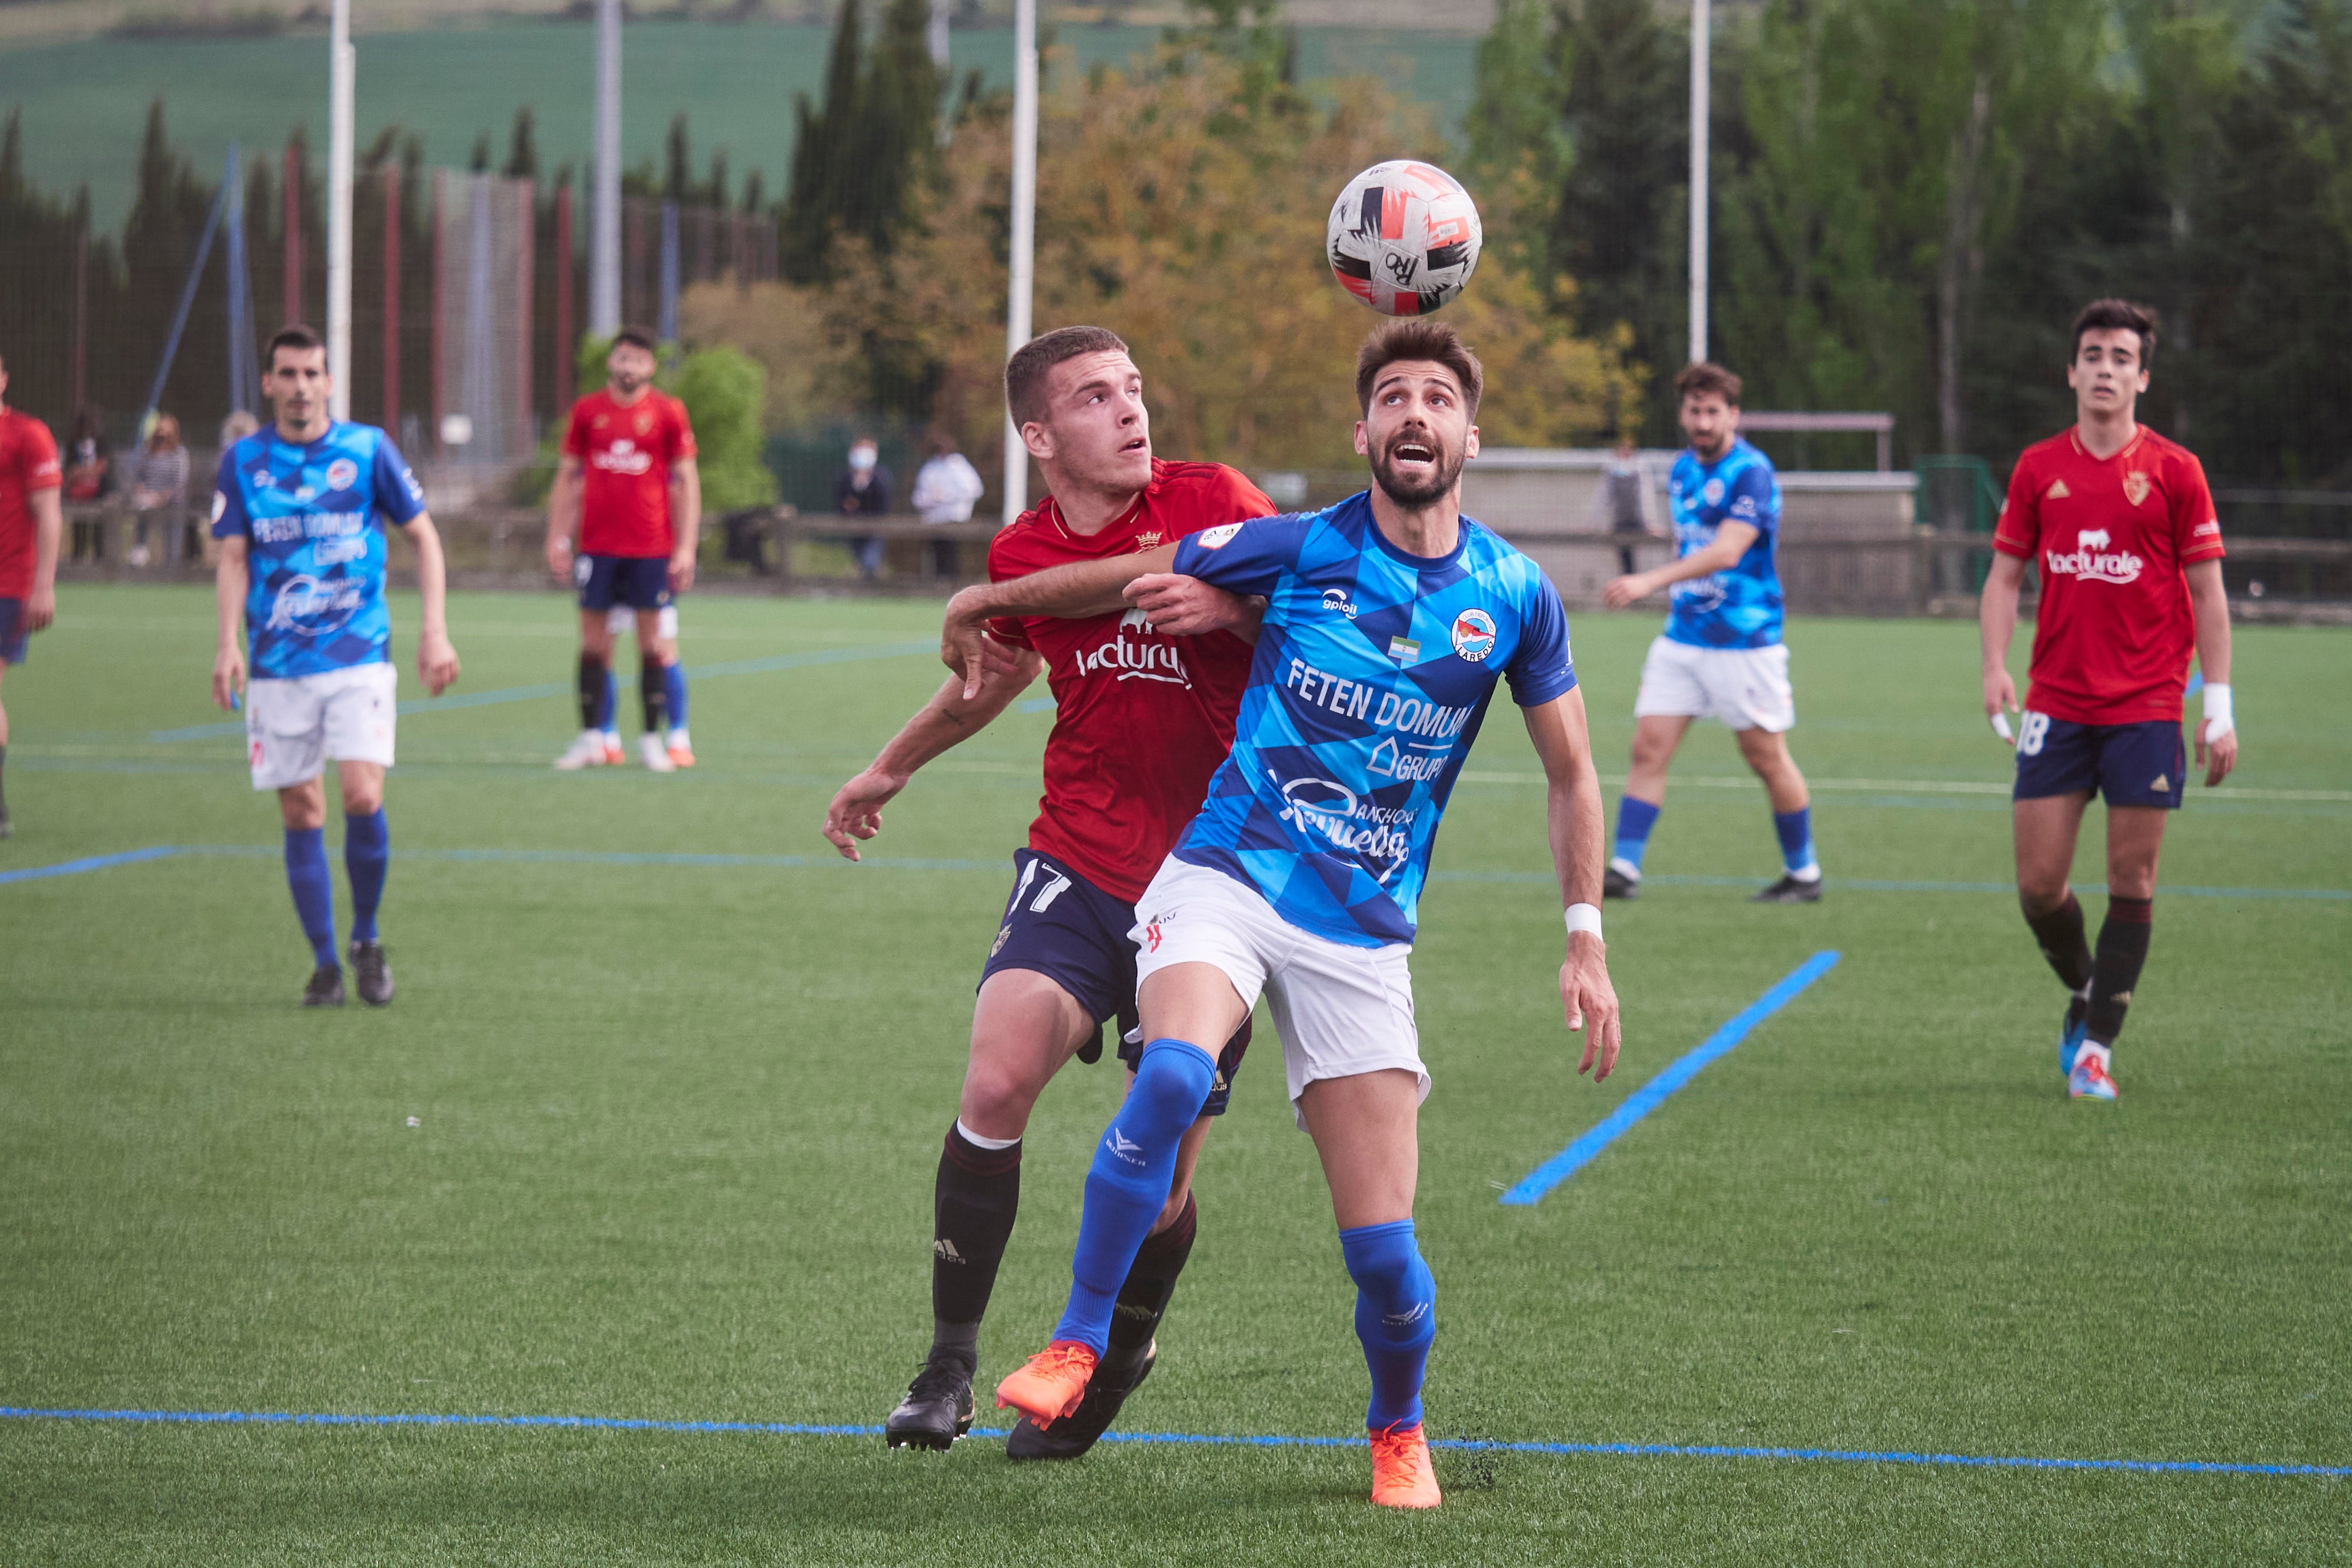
1473,634
1712,493
342,473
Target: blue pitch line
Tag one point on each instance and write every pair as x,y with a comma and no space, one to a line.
1652,1095
1474,1445
557,689
94,862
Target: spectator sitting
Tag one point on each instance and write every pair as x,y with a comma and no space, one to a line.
159,488
90,463
863,490
945,487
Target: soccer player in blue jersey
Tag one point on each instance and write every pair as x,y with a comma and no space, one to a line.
1389,618
1721,656
300,509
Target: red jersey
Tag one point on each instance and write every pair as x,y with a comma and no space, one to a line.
626,453
1142,719
2110,535
28,462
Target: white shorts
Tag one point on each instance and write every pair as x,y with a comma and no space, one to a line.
1746,688
622,619
1340,1011
292,727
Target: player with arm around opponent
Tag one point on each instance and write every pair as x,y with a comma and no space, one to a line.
628,487
298,509
2121,525
1720,655
1389,618
1144,715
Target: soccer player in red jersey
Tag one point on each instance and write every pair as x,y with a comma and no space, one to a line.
2121,526
30,522
1144,715
628,485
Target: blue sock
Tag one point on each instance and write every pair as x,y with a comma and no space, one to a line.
1796,830
1133,1171
313,887
367,850
1396,1317
608,702
1635,820
674,685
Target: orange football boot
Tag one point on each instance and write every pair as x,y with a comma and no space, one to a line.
1052,1383
1401,1476
681,756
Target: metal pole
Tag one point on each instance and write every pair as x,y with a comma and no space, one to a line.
343,69
1024,236
392,237
604,194
1699,203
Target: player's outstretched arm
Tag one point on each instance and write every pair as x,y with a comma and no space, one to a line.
949,718
1572,811
2217,732
1995,625
1731,542
436,660
1187,607
1065,592
231,575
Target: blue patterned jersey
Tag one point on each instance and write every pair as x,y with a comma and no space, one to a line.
310,516
1740,607
1371,678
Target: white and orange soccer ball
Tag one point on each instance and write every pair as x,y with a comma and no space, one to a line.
1403,237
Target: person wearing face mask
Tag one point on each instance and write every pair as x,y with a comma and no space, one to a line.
863,490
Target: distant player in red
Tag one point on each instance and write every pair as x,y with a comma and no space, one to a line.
628,487
30,522
1144,715
2119,524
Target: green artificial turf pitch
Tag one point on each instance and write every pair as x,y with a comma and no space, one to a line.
656,1141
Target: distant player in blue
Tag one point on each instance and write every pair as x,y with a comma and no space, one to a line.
300,510
1389,619
1721,656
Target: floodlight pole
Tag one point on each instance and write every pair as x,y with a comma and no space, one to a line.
343,70
1698,138
604,193
1024,236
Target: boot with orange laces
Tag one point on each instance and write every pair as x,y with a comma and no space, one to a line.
1051,1383
1401,1476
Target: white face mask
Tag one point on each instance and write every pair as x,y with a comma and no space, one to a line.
861,457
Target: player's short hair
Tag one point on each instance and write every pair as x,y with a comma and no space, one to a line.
2115,315
294,336
1026,372
634,339
1416,338
1706,377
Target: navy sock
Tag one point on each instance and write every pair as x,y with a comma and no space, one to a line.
367,851
2060,936
1396,1317
608,703
651,696
2115,970
1635,820
1134,1166
1796,834
595,681
674,686
313,887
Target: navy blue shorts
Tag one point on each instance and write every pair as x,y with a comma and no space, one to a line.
2141,764
640,581
13,635
1060,926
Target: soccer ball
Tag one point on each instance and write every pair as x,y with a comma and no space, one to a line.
1403,237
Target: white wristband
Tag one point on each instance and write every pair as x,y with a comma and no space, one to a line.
1583,918
2218,719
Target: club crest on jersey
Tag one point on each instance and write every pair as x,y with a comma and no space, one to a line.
1712,493
1474,636
1148,539
2136,486
342,473
1217,537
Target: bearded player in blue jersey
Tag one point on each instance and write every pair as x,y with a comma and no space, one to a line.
299,510
1389,618
1720,655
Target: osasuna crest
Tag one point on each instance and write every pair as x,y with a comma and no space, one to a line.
1474,636
2136,485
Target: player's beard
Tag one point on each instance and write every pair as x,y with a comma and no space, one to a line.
1443,473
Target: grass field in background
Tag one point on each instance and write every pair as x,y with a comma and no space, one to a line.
674,1126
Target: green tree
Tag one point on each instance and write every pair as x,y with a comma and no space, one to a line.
861,160
725,392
